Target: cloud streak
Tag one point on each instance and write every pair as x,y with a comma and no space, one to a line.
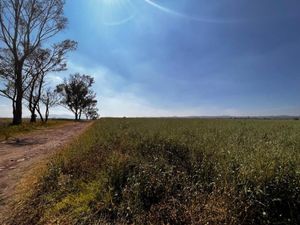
120,22
189,17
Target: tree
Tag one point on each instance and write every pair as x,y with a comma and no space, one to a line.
8,85
49,98
24,26
42,62
76,94
91,112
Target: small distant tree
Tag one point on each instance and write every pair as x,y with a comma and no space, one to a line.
49,99
91,112
76,94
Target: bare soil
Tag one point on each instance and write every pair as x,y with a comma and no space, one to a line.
19,155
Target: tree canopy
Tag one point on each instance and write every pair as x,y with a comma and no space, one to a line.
77,94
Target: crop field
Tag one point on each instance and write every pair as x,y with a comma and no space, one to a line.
172,171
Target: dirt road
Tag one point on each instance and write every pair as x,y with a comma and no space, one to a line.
19,155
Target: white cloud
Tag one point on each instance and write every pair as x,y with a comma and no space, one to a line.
54,79
5,110
116,99
126,102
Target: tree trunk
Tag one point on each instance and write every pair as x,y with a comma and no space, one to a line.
80,115
40,113
31,102
76,116
41,116
17,112
46,117
33,117
47,111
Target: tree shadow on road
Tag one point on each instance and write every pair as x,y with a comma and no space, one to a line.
20,142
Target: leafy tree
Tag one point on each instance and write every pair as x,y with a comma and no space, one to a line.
91,112
24,26
76,94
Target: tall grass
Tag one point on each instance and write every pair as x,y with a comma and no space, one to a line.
173,171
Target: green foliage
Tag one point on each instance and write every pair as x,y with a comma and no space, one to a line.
173,171
77,95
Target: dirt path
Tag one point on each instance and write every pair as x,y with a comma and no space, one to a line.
19,155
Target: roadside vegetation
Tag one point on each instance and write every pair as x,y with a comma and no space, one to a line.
7,131
172,171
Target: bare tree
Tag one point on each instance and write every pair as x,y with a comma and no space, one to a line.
24,26
41,63
8,85
50,98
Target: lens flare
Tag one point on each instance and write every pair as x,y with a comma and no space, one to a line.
189,17
116,12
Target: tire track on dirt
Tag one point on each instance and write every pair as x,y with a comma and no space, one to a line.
19,155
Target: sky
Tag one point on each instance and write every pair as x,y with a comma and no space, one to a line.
185,57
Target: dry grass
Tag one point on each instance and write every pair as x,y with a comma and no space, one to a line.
172,171
7,131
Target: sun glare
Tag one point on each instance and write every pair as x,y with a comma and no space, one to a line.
113,12
111,2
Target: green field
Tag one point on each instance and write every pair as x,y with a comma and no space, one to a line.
173,171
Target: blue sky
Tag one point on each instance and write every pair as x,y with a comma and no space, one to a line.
186,57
